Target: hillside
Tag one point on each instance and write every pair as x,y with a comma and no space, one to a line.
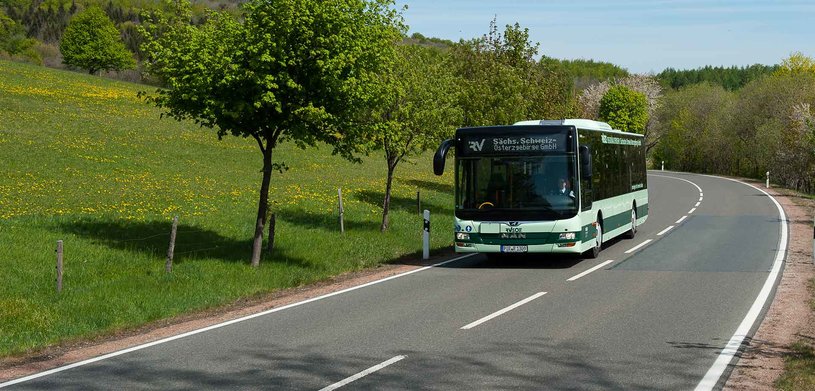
87,162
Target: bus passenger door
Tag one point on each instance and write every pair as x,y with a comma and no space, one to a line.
585,164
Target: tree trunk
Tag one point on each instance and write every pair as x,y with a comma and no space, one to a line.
387,204
263,205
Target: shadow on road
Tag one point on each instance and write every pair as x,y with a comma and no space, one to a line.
540,363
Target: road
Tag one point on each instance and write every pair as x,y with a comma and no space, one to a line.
657,317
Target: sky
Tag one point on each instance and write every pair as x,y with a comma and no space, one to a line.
641,36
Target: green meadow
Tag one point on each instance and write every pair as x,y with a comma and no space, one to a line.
84,160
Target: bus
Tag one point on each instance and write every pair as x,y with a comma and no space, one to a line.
545,186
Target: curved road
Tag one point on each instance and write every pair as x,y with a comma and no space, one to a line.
655,316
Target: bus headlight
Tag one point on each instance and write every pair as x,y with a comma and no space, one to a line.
462,236
568,236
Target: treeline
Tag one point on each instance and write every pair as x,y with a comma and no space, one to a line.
729,78
586,72
768,125
31,30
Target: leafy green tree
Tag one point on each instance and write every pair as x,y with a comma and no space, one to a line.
796,63
624,109
302,71
92,42
694,122
502,83
417,110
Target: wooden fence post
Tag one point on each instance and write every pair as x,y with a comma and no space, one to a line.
168,266
418,202
59,266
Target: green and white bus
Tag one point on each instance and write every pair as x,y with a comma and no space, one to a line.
550,186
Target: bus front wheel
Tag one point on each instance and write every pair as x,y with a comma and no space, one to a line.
598,242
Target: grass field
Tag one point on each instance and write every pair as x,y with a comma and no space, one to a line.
85,161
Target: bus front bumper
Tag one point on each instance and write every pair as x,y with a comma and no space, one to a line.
531,248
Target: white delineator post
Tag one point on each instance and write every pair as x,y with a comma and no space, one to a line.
426,236
663,165
768,179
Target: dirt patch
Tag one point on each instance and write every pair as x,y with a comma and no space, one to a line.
790,317
68,353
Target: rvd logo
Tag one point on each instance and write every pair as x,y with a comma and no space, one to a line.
477,146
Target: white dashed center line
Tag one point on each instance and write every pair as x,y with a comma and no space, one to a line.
503,311
362,374
665,230
591,270
639,246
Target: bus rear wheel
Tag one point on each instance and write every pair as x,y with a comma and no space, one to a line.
598,243
633,231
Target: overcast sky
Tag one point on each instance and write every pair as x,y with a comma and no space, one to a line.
641,36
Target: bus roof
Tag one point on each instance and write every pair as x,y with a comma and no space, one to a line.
576,122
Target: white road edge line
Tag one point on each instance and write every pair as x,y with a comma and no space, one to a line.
637,247
219,325
362,374
591,270
716,371
681,219
692,210
665,230
503,311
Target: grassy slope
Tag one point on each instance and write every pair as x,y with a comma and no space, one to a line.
85,161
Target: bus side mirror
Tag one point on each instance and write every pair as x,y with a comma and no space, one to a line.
585,162
441,155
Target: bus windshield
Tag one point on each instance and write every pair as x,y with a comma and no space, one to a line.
520,188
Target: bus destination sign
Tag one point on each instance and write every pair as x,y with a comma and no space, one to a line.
523,145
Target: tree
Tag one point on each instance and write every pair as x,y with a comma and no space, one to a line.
624,109
417,111
694,122
501,83
14,43
302,71
796,63
589,101
92,42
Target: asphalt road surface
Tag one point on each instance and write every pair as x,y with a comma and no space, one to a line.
657,317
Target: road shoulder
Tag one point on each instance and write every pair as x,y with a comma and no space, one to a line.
790,317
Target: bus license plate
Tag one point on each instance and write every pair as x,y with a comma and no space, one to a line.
513,249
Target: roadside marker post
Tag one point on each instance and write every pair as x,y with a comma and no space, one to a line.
426,236
663,165
768,180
